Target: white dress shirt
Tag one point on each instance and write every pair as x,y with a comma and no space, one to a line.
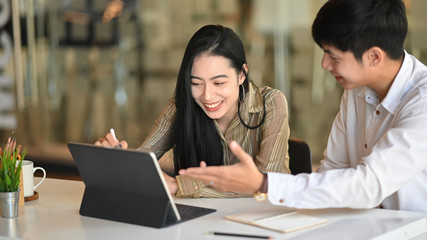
376,152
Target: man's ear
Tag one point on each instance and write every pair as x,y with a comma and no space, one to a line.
375,56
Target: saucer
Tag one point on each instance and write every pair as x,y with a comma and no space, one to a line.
31,198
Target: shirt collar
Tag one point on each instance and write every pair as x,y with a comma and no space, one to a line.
397,88
253,102
399,85
370,96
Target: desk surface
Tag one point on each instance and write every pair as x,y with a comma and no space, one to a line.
55,216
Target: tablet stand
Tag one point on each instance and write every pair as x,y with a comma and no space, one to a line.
121,207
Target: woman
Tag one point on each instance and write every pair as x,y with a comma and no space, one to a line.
215,103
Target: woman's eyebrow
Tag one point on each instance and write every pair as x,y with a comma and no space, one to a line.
192,76
212,78
219,76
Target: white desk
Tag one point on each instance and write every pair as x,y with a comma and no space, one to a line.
55,216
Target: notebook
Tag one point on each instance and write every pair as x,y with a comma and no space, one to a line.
280,220
127,186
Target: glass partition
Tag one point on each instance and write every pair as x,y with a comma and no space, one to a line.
72,69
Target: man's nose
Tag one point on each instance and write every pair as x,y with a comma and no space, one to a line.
326,64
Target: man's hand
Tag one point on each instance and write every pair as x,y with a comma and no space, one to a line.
243,177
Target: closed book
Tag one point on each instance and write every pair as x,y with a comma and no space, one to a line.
282,221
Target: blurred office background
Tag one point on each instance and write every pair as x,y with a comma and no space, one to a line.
72,69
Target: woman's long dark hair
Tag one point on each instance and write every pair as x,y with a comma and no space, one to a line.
194,135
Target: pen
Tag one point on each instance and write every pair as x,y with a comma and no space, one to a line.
113,133
115,138
239,235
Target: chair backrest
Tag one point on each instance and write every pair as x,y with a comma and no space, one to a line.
299,156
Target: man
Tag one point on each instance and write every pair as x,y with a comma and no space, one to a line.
377,149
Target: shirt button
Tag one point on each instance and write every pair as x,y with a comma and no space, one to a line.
281,200
366,145
378,112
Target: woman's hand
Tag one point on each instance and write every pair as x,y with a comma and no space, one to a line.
171,182
110,141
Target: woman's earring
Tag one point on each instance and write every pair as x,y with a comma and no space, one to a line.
243,93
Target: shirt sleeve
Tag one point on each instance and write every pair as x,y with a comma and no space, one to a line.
190,187
396,159
158,141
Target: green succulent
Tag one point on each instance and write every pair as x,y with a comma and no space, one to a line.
10,171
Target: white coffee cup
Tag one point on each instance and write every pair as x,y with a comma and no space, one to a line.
28,171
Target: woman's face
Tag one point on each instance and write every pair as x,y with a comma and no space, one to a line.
215,86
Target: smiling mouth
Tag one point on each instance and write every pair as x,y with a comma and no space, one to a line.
213,106
338,78
335,75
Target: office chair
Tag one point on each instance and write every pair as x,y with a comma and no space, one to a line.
299,156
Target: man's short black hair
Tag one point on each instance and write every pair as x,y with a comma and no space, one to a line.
357,25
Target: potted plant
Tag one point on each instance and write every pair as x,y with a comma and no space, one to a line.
10,171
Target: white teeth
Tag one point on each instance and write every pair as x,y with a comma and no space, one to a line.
214,105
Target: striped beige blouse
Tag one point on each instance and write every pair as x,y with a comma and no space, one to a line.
268,144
